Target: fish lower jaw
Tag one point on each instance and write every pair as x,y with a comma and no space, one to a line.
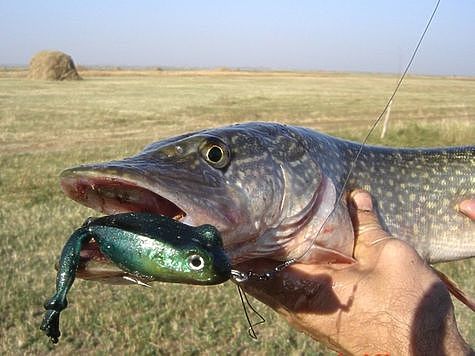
95,266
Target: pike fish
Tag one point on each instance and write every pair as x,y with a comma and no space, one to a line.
272,191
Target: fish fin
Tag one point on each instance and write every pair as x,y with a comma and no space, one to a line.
455,290
322,255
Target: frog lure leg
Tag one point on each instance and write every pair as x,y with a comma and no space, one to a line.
68,265
145,247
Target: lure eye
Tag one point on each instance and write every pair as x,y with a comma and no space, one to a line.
196,262
215,153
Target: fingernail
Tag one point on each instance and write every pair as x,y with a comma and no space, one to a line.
362,201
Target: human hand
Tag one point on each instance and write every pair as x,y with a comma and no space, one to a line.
388,302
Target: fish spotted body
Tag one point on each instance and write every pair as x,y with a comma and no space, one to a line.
272,191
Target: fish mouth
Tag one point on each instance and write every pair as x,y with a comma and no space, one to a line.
111,192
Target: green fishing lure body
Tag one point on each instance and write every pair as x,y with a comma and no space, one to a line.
146,247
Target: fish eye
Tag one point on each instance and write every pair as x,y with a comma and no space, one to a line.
196,262
215,153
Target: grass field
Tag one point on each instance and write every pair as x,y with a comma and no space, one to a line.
48,126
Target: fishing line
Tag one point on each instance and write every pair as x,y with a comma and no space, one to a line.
244,301
241,276
373,127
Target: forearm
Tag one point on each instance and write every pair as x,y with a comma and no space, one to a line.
434,329
393,338
442,340
429,328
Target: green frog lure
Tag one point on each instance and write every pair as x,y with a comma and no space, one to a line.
145,247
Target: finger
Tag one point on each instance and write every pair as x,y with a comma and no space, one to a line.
368,230
467,207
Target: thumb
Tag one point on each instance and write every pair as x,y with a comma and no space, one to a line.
368,230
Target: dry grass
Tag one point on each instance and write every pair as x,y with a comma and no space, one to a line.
48,126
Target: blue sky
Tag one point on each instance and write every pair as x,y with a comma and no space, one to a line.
375,36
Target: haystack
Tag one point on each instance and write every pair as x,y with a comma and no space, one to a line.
52,65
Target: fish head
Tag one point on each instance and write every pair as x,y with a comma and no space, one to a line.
246,180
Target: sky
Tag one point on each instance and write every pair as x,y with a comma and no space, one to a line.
364,36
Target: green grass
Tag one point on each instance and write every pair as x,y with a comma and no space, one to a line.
48,126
